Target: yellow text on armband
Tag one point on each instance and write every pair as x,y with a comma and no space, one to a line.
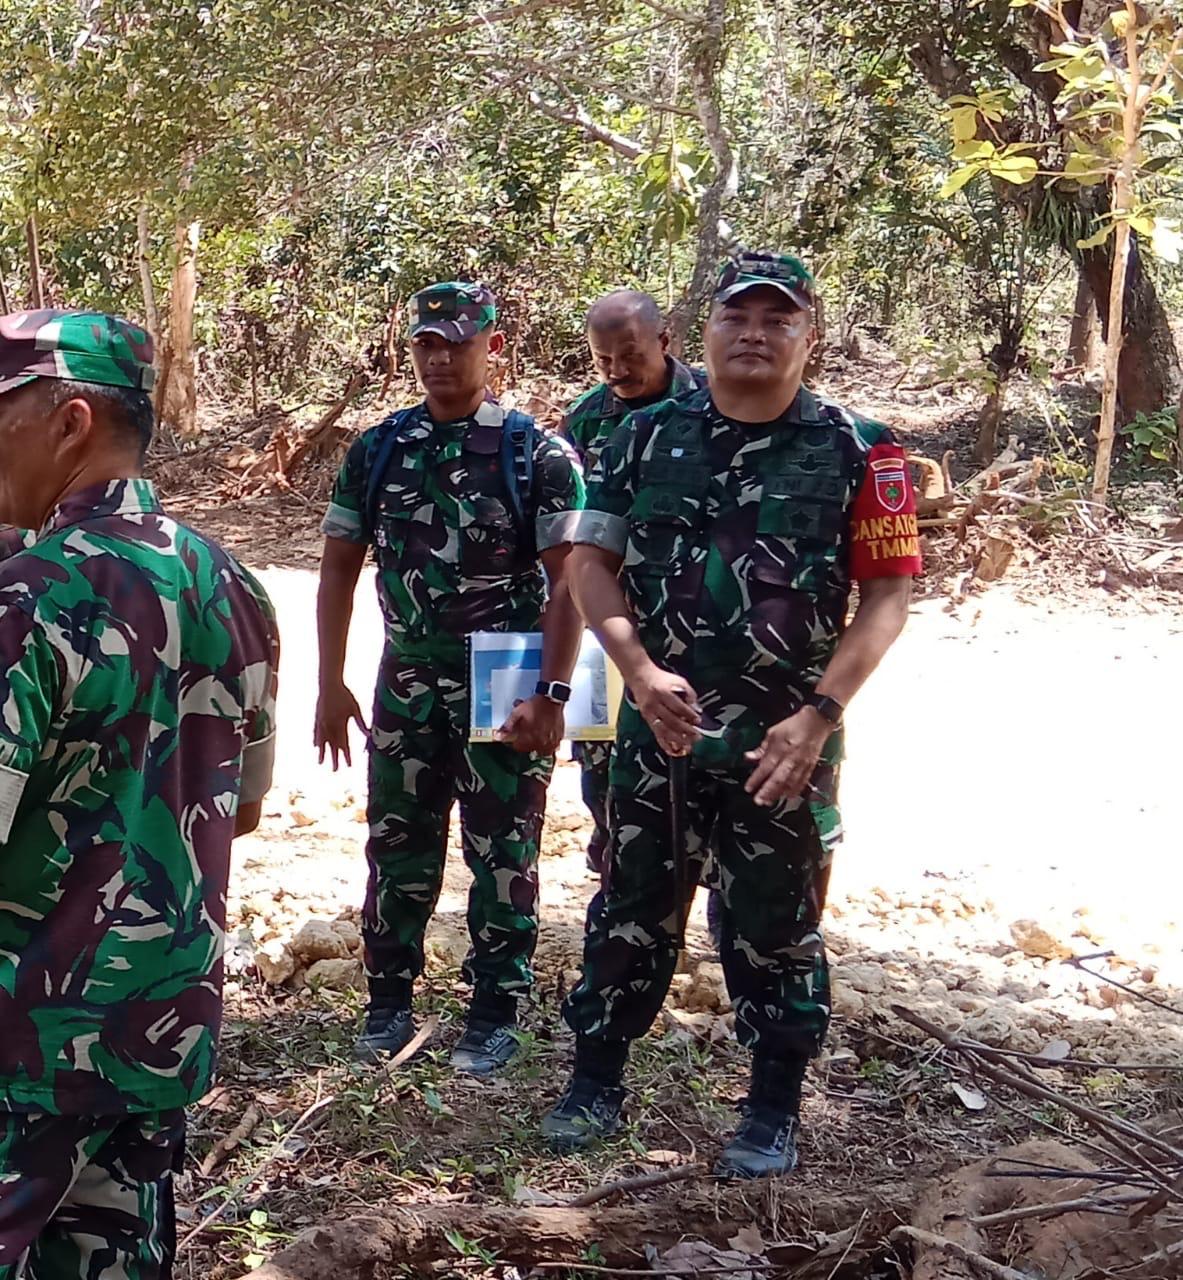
902,526
893,548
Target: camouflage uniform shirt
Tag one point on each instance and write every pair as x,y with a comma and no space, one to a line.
591,419
137,690
738,538
451,558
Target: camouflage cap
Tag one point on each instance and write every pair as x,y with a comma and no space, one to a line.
779,270
82,346
453,310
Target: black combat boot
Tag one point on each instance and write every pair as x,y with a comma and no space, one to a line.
590,1107
488,1042
765,1142
390,1025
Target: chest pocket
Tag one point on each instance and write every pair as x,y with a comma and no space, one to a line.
400,498
489,544
666,513
799,528
672,483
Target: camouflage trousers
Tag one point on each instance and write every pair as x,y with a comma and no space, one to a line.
420,761
772,871
88,1198
594,758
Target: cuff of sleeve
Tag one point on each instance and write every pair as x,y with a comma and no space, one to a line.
12,786
600,529
554,530
341,522
258,764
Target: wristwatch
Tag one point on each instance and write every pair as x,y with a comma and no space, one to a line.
828,708
555,690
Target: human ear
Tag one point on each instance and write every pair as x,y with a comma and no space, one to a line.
496,343
75,422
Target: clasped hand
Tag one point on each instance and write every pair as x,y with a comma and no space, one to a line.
787,757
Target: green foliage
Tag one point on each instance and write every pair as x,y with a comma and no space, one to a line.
338,157
1154,436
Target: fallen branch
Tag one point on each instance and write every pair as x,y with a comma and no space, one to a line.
243,1183
655,1270
318,1106
642,1182
1084,1064
932,477
951,1249
1120,1133
282,454
238,1135
1085,1204
417,1236
410,1049
1077,962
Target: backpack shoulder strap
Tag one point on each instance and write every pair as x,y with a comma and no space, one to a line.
518,436
386,438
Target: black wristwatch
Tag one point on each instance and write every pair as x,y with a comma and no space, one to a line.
828,708
555,690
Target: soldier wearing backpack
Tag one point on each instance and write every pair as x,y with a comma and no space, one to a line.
466,506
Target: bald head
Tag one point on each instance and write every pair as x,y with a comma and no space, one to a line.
624,306
628,340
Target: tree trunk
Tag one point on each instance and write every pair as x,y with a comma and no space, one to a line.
1083,337
144,263
706,63
4,306
34,246
1148,373
176,403
1001,361
1179,433
1122,244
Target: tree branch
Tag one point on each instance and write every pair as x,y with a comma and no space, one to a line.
707,60
555,76
574,114
678,15
508,14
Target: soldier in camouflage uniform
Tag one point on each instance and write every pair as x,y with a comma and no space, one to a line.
629,345
462,532
736,519
137,677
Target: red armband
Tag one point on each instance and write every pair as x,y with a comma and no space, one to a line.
884,539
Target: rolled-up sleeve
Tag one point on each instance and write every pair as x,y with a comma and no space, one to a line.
604,521
346,516
29,686
558,491
258,756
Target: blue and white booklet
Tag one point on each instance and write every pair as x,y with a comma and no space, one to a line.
504,667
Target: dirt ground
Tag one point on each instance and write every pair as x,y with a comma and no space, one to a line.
1012,799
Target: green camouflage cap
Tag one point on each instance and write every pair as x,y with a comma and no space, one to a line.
80,346
455,311
779,270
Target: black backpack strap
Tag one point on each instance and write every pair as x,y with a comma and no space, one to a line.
518,436
388,432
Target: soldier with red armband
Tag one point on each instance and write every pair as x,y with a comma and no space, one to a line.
722,535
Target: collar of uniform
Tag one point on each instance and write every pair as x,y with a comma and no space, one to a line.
804,408
130,497
488,414
681,381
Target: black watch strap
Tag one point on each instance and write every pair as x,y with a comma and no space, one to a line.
555,690
828,708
